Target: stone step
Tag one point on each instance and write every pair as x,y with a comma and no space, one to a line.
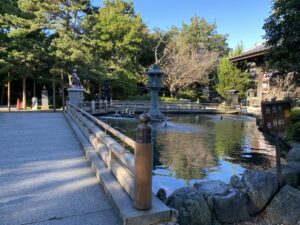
130,216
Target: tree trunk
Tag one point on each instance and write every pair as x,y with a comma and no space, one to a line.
34,88
24,93
2,94
99,92
173,92
62,90
8,91
53,94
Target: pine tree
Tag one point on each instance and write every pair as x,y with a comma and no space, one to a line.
116,33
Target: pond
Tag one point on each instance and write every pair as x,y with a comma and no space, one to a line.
191,148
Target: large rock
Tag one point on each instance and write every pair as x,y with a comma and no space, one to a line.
191,205
236,182
285,207
294,165
260,187
210,189
294,154
229,204
231,207
289,175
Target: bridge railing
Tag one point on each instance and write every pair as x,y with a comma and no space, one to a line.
94,107
116,150
130,107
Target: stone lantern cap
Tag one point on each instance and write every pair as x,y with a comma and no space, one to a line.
155,71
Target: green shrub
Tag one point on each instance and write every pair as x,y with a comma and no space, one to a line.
295,116
190,94
295,131
139,97
168,99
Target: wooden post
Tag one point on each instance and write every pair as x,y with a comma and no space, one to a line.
106,106
62,89
8,92
24,93
93,106
34,88
143,160
53,93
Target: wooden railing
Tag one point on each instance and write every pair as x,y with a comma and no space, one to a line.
134,107
114,148
140,106
95,107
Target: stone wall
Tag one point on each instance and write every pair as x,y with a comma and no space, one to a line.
256,192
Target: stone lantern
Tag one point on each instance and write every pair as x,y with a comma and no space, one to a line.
154,85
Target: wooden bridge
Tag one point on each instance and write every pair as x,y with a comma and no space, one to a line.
45,178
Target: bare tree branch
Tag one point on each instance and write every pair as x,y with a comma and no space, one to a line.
185,66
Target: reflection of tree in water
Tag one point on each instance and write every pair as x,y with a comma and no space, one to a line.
261,154
156,152
228,138
186,153
192,143
250,151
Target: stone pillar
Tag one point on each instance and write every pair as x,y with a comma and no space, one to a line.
75,95
45,99
93,106
34,105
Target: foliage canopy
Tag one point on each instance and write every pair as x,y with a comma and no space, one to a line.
282,34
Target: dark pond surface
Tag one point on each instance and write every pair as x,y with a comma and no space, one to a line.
202,147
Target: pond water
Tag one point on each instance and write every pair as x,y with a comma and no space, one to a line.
202,147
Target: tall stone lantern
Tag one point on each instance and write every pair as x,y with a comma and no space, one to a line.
154,85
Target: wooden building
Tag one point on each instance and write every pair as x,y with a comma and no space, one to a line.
255,58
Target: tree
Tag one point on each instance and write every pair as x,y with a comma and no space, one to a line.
20,50
282,35
60,21
116,32
191,54
203,35
185,66
239,48
230,77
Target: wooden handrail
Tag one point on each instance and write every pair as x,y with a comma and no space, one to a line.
128,141
134,172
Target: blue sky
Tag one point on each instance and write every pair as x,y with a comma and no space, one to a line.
242,20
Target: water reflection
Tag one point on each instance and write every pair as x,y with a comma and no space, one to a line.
196,147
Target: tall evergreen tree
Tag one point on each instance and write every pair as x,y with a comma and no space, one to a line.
231,78
282,35
116,33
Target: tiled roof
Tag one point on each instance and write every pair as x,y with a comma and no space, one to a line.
259,49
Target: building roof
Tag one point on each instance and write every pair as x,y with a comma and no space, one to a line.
257,50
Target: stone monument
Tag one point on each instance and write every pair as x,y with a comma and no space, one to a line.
34,102
45,99
75,91
154,85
